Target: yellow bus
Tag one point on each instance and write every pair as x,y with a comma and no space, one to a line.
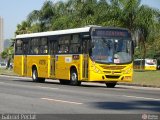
87,54
145,64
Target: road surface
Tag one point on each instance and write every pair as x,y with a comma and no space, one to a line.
19,95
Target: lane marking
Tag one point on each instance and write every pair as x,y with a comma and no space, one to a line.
46,87
63,101
31,86
18,77
139,87
97,84
141,97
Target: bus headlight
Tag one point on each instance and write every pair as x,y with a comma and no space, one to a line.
95,69
127,71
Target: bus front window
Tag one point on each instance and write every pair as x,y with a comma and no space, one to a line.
123,51
108,50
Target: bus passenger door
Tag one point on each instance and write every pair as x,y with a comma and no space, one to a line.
85,45
25,47
19,57
53,48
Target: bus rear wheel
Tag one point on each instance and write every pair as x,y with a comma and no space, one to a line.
35,77
64,82
111,84
74,78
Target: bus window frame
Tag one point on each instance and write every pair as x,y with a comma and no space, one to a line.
26,40
46,45
33,48
53,39
78,44
86,36
17,46
69,44
62,46
36,46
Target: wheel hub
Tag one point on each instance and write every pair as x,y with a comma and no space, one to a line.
74,77
34,75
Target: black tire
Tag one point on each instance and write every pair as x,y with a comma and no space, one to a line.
41,80
111,85
64,82
74,78
35,77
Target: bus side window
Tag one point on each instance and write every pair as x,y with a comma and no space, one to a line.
75,48
36,51
63,49
19,47
25,47
63,44
34,44
75,44
52,44
43,46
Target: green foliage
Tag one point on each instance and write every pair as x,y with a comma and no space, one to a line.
130,14
4,54
8,53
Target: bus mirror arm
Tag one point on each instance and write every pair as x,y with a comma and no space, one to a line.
92,45
134,43
133,46
90,51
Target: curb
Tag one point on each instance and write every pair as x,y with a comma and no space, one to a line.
128,84
139,85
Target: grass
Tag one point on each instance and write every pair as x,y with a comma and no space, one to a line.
4,71
148,78
143,78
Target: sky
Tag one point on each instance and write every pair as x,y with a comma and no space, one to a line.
15,11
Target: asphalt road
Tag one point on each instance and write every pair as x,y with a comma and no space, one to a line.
19,95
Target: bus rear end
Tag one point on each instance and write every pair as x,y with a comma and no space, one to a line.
150,64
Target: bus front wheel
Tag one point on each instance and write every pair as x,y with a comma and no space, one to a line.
35,77
111,84
74,78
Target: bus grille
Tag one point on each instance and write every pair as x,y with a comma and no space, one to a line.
112,77
113,67
109,72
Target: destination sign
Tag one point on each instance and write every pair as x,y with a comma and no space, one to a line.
110,33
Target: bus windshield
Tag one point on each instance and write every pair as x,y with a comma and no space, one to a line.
111,50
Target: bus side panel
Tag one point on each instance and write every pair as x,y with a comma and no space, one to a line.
80,71
18,64
51,65
63,65
41,63
151,67
62,68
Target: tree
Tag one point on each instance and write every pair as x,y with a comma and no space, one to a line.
42,18
141,20
8,55
23,28
137,18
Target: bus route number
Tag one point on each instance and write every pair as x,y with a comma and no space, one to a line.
42,62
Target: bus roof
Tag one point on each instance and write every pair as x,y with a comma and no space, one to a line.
58,32
63,32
